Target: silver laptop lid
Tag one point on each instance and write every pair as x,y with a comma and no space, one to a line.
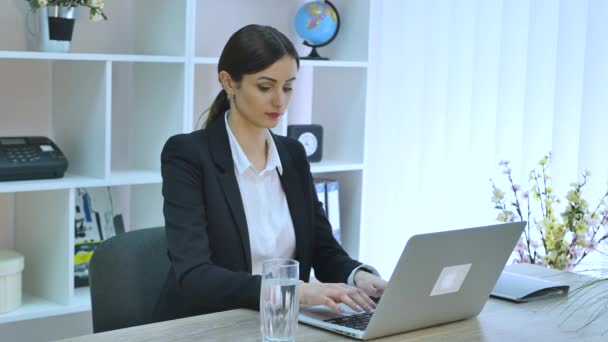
443,277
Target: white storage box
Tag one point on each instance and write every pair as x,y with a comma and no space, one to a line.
11,266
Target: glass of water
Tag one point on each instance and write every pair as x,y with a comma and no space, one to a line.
279,300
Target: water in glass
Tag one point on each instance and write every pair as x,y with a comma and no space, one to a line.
279,302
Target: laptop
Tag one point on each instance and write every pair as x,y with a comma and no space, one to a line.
440,278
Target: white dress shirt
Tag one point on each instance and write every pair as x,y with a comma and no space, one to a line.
271,232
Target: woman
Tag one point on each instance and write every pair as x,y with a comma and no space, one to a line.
236,194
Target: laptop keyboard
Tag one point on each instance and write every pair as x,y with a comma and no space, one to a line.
356,321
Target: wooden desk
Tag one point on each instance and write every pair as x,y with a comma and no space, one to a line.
499,321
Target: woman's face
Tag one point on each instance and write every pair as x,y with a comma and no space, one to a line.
261,98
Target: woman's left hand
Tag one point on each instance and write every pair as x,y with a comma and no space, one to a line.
370,283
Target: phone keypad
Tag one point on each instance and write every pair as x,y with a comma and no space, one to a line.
21,154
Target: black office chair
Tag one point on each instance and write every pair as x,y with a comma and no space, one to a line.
126,274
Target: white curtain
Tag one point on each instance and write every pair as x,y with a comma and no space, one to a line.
458,85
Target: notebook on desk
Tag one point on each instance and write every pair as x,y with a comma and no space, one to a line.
522,288
439,278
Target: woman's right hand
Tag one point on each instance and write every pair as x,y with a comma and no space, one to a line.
332,294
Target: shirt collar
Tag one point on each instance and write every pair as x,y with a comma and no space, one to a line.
240,159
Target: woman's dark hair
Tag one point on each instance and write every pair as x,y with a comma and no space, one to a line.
251,49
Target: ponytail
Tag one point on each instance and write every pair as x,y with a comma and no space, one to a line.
219,106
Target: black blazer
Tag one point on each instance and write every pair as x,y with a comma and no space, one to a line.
207,234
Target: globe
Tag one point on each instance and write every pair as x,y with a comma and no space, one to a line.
317,23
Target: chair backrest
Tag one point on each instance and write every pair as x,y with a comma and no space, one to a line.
126,274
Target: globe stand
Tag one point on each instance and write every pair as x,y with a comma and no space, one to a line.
314,54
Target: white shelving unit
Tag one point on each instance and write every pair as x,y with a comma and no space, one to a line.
128,85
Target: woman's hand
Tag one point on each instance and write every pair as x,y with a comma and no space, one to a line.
332,294
370,283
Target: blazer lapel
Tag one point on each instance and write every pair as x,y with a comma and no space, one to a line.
292,185
222,156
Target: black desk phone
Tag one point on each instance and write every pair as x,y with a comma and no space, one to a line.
24,158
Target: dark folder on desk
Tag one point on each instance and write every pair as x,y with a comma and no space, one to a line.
522,288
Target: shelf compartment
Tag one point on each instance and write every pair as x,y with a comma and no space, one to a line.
26,97
129,29
350,43
42,234
141,205
53,99
340,110
342,143
79,114
147,101
334,98
350,207
211,43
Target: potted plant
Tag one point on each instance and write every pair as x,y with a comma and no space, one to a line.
57,19
557,240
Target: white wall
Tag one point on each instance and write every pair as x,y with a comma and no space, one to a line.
456,86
